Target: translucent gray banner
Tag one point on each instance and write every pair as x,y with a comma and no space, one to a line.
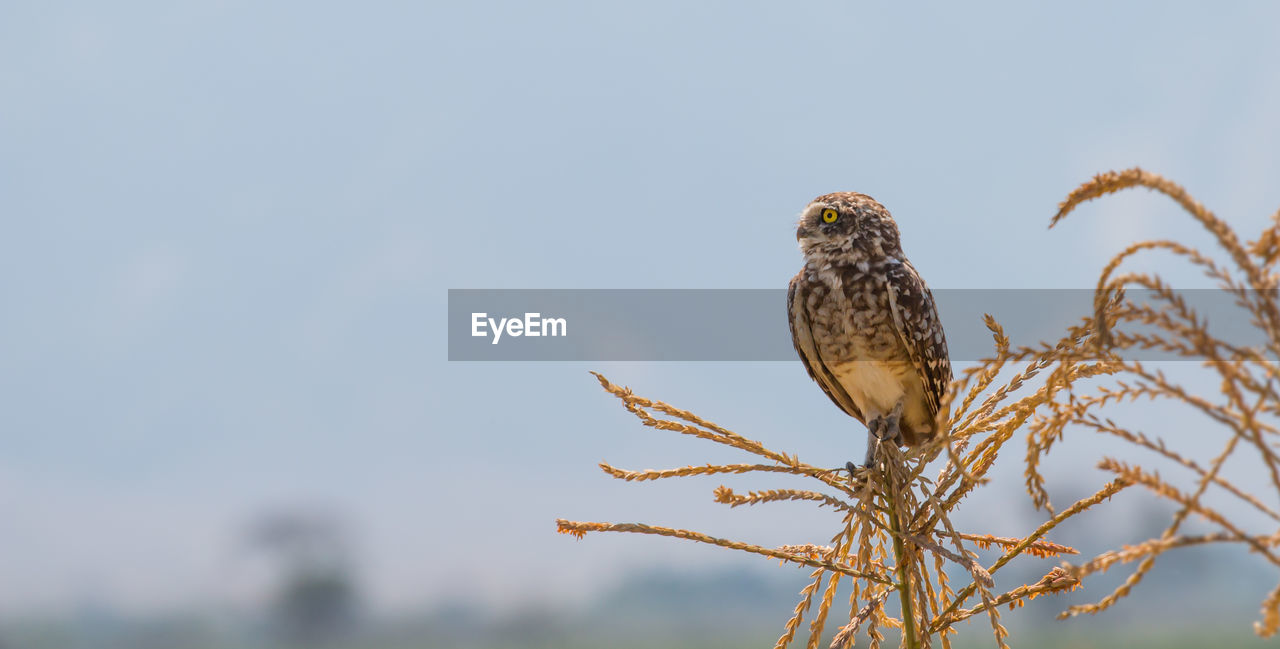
751,324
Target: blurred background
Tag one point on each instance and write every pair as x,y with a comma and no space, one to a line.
228,418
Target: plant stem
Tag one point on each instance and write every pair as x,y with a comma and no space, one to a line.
900,566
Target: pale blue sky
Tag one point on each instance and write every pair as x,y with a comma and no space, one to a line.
230,227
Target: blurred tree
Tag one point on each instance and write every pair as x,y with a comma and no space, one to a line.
316,600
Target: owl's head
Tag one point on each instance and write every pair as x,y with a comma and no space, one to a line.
847,222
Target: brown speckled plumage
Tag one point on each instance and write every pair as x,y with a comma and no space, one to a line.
864,323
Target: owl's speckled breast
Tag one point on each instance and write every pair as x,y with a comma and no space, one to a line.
850,316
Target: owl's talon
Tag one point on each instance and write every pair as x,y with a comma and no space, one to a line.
858,475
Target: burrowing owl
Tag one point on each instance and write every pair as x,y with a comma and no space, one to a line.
864,323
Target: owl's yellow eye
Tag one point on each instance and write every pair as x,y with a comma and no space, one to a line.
829,215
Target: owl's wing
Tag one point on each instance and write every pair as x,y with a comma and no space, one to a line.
802,337
916,320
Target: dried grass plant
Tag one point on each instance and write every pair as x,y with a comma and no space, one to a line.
896,538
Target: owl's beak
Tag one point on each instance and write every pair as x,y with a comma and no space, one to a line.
801,232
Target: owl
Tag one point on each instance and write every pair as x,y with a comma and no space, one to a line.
864,322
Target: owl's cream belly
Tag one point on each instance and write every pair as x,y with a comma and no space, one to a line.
877,387
874,386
